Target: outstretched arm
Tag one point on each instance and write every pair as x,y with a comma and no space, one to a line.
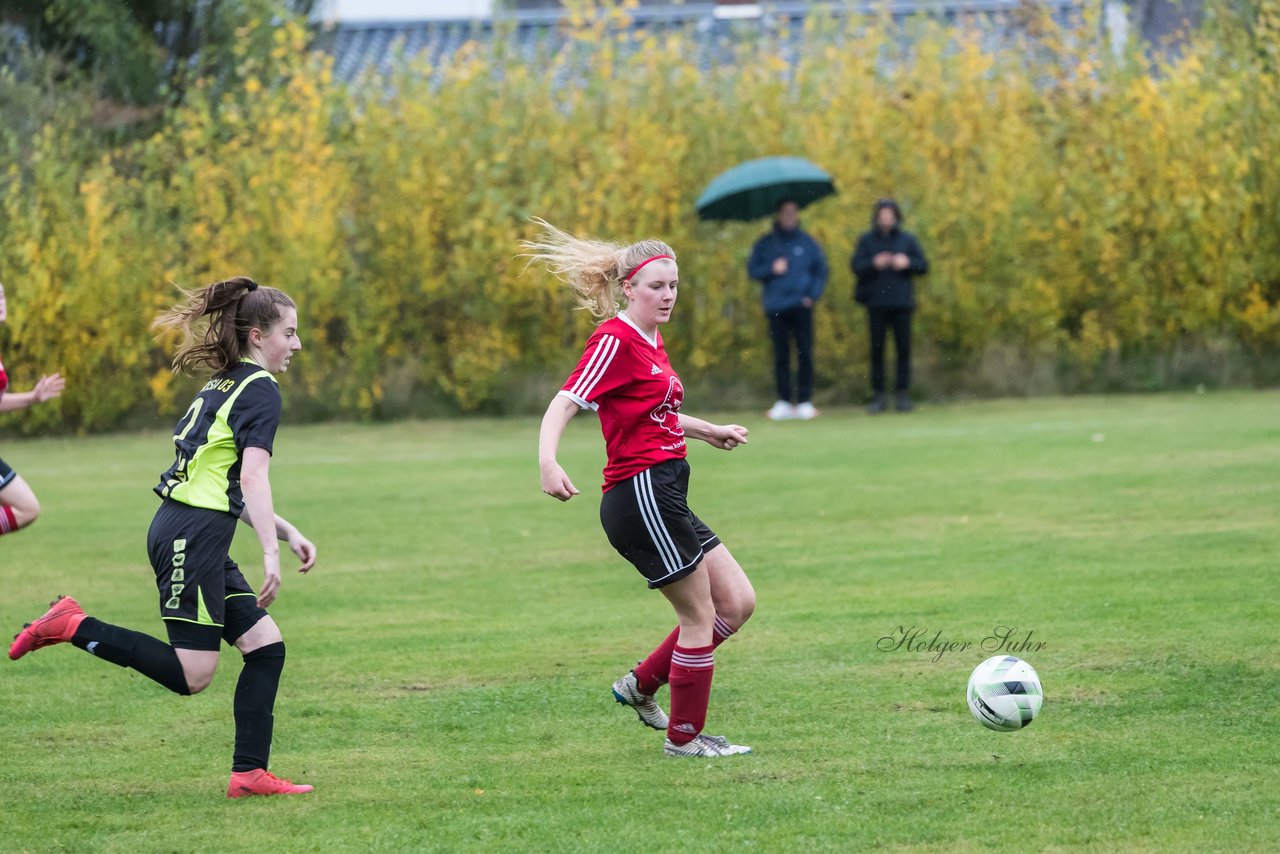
49,387
555,482
726,437
287,532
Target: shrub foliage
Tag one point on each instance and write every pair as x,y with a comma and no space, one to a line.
1086,213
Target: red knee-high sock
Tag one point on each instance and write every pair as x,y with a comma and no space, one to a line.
721,632
652,673
8,521
691,671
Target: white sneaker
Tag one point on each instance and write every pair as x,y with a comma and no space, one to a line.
705,745
806,412
782,411
627,692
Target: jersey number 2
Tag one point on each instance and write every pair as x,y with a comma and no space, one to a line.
180,467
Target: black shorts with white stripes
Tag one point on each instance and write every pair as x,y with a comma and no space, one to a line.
648,520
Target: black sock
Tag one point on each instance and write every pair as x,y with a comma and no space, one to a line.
255,700
152,658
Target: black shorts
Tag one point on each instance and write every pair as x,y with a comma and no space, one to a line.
7,474
204,599
648,520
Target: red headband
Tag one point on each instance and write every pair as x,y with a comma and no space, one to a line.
636,268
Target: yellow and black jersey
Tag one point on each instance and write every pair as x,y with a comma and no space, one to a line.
237,409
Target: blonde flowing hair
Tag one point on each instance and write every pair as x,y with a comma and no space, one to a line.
595,269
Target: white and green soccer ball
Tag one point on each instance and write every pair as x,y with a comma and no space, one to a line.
1004,693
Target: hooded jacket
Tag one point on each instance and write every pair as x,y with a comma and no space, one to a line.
806,274
887,288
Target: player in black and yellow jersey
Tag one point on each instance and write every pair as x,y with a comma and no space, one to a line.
219,475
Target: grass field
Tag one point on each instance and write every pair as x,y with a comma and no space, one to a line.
451,655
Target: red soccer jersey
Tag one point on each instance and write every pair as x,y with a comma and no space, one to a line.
627,379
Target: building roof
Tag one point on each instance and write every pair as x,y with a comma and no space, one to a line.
359,47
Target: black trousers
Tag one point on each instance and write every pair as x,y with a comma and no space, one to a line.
881,320
793,324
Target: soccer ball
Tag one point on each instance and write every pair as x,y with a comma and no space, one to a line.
1004,693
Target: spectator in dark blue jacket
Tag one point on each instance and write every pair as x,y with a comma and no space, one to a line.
793,269
886,260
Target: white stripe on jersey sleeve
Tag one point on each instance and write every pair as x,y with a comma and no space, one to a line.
596,366
582,404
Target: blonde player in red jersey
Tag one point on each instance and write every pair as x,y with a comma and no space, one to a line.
624,375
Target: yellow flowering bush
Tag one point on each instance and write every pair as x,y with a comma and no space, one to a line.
1080,210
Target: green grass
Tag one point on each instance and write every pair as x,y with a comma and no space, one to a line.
450,657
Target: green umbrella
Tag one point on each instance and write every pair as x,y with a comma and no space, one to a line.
753,189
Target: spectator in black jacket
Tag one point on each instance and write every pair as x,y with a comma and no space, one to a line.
793,270
884,263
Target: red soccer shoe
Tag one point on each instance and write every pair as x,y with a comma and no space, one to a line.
260,781
58,625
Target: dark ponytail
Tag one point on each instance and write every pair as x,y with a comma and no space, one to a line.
233,306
